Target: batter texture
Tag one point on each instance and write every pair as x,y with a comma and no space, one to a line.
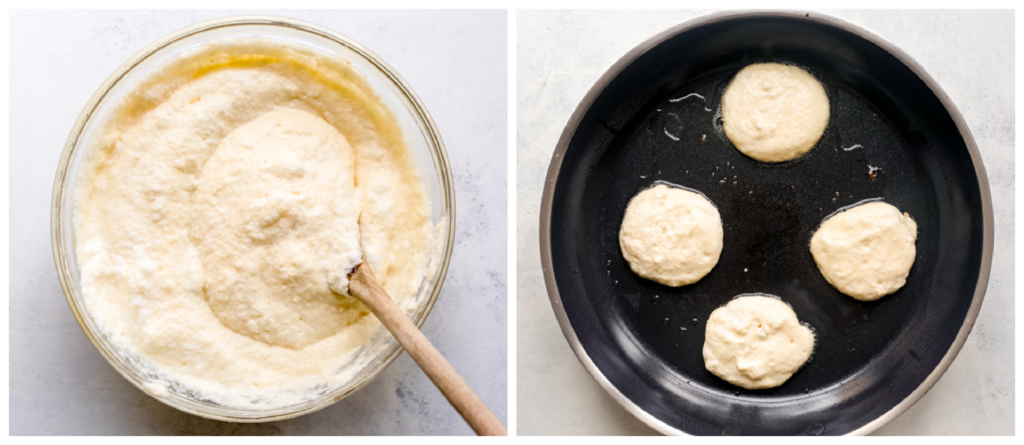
221,207
671,235
756,342
866,251
774,112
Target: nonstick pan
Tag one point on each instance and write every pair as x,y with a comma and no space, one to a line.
893,135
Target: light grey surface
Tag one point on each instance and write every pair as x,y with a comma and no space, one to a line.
560,56
456,61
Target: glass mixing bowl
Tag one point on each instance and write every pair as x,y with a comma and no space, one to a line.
421,137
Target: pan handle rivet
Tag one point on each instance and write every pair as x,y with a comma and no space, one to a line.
815,430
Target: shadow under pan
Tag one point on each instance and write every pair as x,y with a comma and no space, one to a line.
646,339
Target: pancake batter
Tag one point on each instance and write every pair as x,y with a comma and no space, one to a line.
221,207
774,112
866,251
671,235
756,342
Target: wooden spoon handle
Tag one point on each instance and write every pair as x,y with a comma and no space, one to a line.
363,285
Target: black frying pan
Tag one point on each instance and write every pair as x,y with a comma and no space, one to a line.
642,341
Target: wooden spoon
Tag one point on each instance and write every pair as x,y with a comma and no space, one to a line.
364,286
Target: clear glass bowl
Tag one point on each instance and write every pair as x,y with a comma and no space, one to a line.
421,137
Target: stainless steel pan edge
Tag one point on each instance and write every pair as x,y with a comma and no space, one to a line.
632,55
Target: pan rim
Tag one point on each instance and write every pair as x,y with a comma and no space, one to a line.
632,55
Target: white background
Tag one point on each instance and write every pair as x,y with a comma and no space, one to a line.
456,61
560,54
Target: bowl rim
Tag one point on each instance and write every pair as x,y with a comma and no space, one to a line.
632,55
61,241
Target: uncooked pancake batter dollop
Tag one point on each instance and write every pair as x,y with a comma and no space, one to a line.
221,207
671,235
866,251
756,342
774,112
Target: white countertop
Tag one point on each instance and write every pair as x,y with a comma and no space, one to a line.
560,56
456,62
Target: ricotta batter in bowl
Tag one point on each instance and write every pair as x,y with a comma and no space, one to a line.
219,208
